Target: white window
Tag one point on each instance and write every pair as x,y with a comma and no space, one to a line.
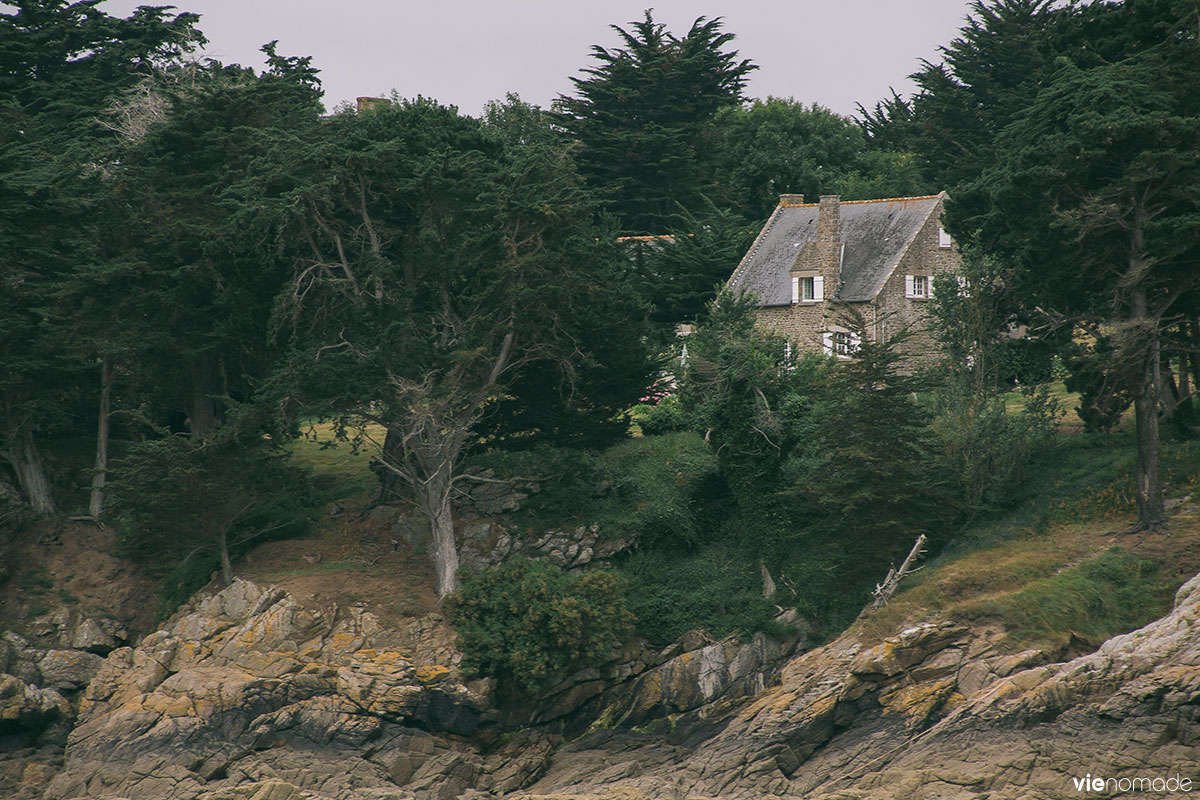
918,287
808,290
842,344
944,240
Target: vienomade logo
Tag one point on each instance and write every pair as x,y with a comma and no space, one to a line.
1109,787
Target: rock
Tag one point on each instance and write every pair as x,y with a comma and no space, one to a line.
927,713
22,658
68,670
98,636
26,709
246,687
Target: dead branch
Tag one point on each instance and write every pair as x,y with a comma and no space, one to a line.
884,591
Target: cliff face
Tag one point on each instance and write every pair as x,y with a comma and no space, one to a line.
250,695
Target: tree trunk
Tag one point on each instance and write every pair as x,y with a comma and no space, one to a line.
100,473
202,407
391,485
1151,512
31,475
436,503
226,565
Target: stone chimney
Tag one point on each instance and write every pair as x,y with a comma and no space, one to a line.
371,103
829,218
821,258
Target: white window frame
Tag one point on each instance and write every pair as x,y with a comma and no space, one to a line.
944,240
841,344
808,289
923,283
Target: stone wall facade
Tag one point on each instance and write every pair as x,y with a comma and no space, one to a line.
804,323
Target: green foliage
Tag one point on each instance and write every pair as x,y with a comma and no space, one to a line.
1103,394
777,146
985,449
665,416
679,274
528,623
741,390
643,116
717,588
60,64
177,497
656,490
865,468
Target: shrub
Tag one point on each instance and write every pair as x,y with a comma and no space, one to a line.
653,490
526,622
718,589
666,416
985,449
178,499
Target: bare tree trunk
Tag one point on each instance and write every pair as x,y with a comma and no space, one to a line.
1151,512
100,473
226,565
436,503
31,474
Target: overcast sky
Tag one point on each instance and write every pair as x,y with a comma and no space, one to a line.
465,52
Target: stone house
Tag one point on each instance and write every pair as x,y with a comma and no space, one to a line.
812,261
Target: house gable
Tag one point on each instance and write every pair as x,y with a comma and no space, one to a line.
880,255
875,233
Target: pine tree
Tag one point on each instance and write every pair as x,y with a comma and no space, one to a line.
643,117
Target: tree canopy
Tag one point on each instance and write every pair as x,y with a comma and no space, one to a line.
643,118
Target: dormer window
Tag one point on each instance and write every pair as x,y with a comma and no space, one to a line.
808,289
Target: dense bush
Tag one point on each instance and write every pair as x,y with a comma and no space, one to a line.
665,416
656,490
982,447
180,499
527,623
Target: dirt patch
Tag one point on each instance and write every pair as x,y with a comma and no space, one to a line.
61,572
355,560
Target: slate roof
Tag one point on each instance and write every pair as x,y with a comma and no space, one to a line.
876,233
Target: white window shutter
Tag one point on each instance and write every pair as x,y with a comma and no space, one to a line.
818,288
929,287
908,285
944,240
827,343
795,290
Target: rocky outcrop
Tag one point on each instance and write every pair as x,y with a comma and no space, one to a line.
933,712
246,693
488,544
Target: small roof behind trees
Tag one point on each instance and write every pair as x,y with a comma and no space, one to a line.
876,234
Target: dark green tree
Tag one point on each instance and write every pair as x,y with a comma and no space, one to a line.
777,146
61,64
643,118
177,497
1094,200
864,466
988,74
436,268
744,389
